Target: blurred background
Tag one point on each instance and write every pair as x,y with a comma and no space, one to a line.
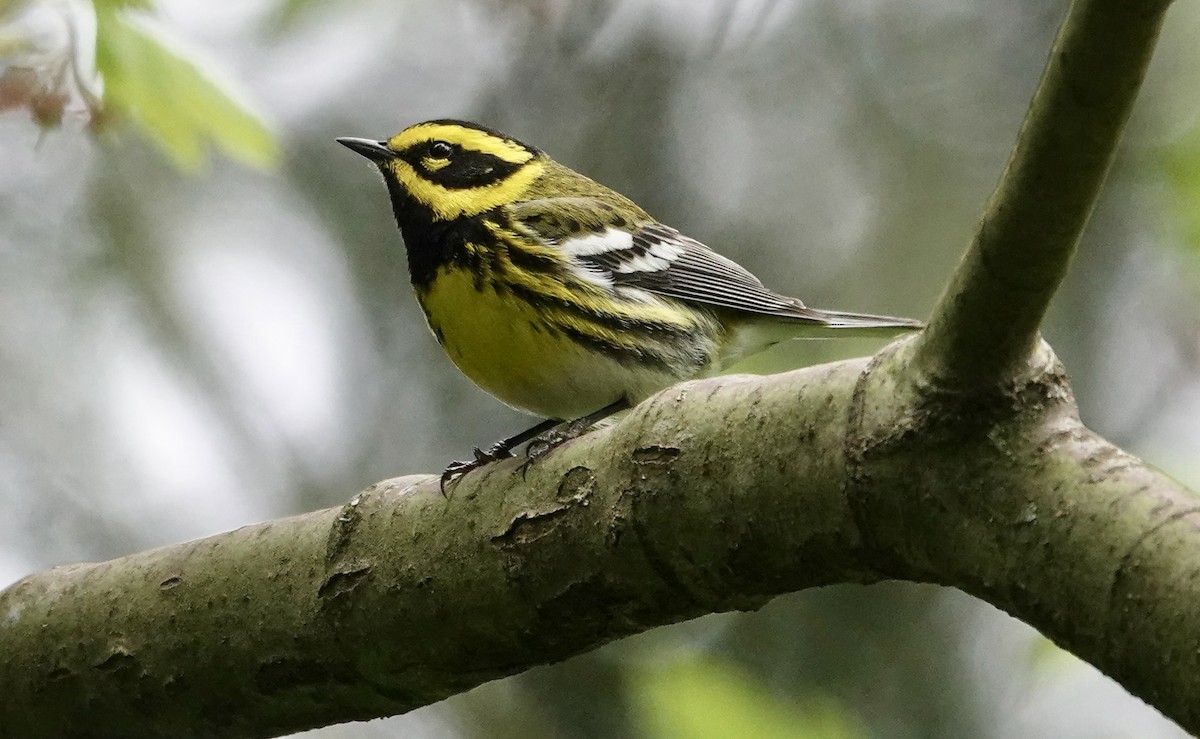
205,317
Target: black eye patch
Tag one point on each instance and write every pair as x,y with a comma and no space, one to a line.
455,167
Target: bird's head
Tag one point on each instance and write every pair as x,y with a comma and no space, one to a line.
448,169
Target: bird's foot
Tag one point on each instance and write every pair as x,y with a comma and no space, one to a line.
547,441
455,470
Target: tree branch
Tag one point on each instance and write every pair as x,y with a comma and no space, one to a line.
986,322
955,458
713,496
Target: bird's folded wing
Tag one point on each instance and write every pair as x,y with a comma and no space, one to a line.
649,256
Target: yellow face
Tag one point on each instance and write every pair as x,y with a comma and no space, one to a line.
456,169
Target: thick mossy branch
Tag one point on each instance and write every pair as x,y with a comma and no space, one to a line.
1043,518
716,495
987,320
403,597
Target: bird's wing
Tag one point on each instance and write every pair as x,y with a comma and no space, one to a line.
661,260
650,256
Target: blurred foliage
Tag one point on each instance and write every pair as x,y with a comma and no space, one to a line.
110,6
713,699
173,97
289,14
1181,163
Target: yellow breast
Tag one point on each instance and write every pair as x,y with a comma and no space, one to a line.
502,344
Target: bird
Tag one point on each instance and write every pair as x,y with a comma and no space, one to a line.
561,297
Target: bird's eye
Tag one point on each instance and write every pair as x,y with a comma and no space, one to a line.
440,150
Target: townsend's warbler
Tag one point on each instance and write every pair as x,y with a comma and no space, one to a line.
560,296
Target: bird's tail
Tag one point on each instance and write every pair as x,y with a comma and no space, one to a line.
866,324
752,336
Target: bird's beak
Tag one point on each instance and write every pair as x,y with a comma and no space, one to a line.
376,151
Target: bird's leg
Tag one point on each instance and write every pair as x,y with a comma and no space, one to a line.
544,435
552,437
500,450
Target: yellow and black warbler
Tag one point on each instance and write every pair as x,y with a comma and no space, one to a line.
561,297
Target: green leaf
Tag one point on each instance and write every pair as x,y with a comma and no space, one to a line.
175,99
714,699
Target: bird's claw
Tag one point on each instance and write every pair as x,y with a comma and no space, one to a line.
541,446
455,470
544,444
538,446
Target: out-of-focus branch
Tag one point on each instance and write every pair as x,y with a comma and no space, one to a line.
987,320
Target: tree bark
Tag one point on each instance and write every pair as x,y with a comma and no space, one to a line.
954,457
986,322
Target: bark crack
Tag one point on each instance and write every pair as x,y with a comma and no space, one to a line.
1126,563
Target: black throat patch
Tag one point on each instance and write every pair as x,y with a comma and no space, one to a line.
431,243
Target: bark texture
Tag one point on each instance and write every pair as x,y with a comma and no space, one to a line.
713,496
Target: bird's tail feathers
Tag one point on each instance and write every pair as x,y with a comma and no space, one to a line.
866,324
753,336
